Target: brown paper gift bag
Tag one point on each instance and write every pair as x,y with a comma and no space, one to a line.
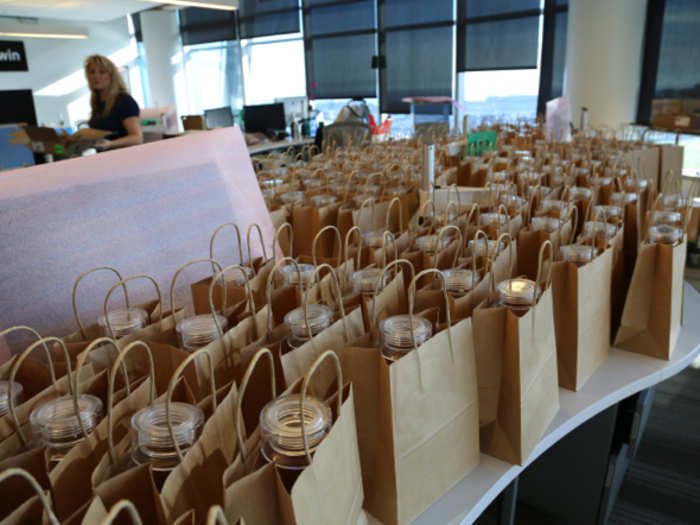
15,492
307,222
517,374
36,509
652,314
581,300
327,491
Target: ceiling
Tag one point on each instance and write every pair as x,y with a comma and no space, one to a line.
75,10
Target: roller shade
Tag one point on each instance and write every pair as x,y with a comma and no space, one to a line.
271,17
477,8
678,75
200,26
416,12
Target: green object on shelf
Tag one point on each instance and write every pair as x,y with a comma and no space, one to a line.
481,141
58,149
149,122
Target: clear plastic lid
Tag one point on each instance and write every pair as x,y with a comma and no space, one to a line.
154,444
270,183
123,321
360,199
492,219
372,239
674,201
292,197
512,201
633,185
619,198
607,211
483,248
517,292
280,427
547,224
428,243
578,254
396,334
319,317
365,281
577,193
672,218
664,234
459,281
550,205
497,176
236,277
602,181
323,200
57,423
559,179
290,276
598,229
17,394
198,331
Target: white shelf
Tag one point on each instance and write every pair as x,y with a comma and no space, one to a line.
621,375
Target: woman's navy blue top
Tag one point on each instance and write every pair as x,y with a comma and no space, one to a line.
124,107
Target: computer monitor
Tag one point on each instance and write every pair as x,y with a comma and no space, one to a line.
17,107
264,117
218,117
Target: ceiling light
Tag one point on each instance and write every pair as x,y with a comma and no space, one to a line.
42,31
225,5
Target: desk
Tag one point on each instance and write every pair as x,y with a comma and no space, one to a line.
267,147
620,376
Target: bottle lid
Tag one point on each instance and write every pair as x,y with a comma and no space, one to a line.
124,321
459,280
290,276
198,331
483,248
577,193
619,198
292,197
280,426
154,444
672,218
493,219
547,224
598,229
664,234
373,239
58,425
365,281
517,292
17,394
396,334
578,254
323,200
674,201
428,243
607,211
319,317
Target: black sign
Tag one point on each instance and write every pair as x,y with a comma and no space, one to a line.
12,56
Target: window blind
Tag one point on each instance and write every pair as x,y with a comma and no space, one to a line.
271,17
678,75
200,26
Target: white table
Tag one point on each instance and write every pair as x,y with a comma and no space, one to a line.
620,376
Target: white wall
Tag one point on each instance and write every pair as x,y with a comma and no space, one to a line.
161,42
52,60
604,59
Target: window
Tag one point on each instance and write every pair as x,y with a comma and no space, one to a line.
273,67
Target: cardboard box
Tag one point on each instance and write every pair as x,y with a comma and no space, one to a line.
672,121
46,140
666,106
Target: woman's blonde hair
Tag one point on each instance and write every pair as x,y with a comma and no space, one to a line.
115,89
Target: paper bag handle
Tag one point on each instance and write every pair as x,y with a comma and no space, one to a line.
262,242
49,356
423,210
574,223
358,258
338,294
249,296
268,291
21,473
546,246
387,222
13,374
238,240
244,386
214,262
84,355
216,515
275,238
110,389
110,332
117,508
380,280
388,235
75,293
347,185
305,384
171,387
458,252
338,237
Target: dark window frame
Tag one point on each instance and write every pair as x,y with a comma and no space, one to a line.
551,10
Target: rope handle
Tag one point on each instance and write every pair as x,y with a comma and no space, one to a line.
339,297
389,209
49,356
305,384
355,230
123,282
75,293
238,240
13,374
268,292
214,262
546,246
329,227
117,509
249,295
216,515
21,473
171,387
110,390
438,249
266,352
388,235
275,238
380,280
262,242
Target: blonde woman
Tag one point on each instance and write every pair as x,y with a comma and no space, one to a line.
113,109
